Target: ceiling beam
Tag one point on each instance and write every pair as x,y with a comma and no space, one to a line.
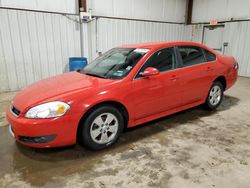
83,5
189,11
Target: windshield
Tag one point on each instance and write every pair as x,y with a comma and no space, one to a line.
115,64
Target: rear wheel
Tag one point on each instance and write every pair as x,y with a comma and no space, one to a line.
215,96
101,128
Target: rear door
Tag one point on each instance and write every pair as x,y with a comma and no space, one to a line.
196,74
158,93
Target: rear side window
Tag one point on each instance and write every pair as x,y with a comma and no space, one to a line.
209,56
191,55
163,60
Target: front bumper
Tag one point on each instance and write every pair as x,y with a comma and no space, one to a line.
42,133
33,139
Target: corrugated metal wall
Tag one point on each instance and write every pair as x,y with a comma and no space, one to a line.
160,10
223,10
108,33
63,6
238,37
34,46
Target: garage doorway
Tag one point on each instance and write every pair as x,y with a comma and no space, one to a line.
213,37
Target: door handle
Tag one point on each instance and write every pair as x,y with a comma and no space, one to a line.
209,69
174,78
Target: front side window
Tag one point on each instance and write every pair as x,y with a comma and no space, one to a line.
163,60
115,64
191,55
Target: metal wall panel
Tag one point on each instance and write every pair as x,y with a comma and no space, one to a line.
34,46
159,10
63,6
238,38
108,33
223,10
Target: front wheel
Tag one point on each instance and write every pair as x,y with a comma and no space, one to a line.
215,96
101,128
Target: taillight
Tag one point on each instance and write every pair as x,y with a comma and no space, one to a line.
236,65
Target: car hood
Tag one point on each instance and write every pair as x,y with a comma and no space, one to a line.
55,86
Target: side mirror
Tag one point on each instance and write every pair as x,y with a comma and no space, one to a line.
150,71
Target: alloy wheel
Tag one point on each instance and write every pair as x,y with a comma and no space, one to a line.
215,95
104,128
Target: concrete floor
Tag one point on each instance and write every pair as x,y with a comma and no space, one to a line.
194,148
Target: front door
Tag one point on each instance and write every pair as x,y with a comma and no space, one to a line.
157,93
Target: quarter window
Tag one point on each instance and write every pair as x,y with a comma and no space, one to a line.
163,60
210,56
191,55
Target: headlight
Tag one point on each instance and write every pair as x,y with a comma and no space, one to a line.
48,110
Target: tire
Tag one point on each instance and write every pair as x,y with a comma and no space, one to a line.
101,128
215,96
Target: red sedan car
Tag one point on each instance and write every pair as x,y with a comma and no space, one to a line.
124,87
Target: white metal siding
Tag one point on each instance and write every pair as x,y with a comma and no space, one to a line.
160,10
238,37
63,6
223,10
197,31
34,46
115,32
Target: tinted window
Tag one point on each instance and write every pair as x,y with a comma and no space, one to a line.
209,56
191,55
163,60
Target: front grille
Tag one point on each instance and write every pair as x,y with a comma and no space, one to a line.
15,110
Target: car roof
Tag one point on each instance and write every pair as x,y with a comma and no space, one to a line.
161,44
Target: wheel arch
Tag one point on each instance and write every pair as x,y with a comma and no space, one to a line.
222,80
113,103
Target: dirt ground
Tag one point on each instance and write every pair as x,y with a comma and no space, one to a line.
194,148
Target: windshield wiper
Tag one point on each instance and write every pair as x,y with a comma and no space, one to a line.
95,75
